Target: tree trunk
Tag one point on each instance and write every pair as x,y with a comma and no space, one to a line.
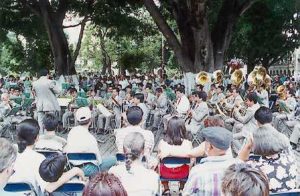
53,22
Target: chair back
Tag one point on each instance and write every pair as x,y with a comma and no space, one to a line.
72,187
254,157
173,161
198,160
82,158
19,188
287,193
121,157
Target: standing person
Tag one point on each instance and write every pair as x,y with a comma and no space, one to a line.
46,101
8,156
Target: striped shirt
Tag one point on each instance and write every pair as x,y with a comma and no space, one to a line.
205,179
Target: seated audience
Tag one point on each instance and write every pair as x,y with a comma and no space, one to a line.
175,140
104,184
52,172
199,151
8,155
81,140
136,179
241,179
134,116
205,178
50,140
28,161
277,160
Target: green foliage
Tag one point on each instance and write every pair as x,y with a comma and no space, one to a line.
267,36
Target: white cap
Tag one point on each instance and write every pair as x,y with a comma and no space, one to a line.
83,114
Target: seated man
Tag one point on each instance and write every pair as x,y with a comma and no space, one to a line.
198,113
205,178
81,140
52,172
247,123
50,140
182,106
8,155
134,117
70,112
138,100
161,107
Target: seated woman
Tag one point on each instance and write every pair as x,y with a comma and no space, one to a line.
175,141
104,184
199,151
241,179
52,172
28,161
136,179
277,160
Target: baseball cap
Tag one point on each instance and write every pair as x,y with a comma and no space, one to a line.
219,137
83,114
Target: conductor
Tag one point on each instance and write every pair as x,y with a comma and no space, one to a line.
46,102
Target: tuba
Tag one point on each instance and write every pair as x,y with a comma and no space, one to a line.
202,78
281,91
218,76
237,77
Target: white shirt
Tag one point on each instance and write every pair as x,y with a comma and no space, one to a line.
145,111
122,133
183,105
81,140
27,168
140,181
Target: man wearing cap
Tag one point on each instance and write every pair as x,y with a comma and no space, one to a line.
81,140
205,178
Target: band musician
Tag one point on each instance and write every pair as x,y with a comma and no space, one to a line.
197,113
181,106
243,124
115,104
161,107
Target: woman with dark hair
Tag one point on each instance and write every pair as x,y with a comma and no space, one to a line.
175,140
104,184
136,179
28,161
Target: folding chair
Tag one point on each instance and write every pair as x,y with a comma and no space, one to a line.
19,188
71,187
82,158
121,158
174,161
198,160
295,192
254,157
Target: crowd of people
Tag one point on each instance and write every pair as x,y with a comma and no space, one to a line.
219,128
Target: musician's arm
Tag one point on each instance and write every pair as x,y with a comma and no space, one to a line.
244,119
